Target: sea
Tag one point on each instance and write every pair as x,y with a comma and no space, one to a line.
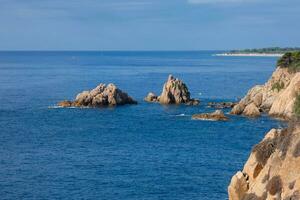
146,151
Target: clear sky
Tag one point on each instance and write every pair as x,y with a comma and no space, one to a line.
148,24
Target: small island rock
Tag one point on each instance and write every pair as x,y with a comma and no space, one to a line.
174,92
218,115
102,95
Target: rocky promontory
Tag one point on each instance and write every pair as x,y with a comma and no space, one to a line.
273,168
276,97
102,95
174,91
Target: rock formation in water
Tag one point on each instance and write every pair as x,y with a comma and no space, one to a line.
218,115
174,92
221,105
102,95
277,96
273,168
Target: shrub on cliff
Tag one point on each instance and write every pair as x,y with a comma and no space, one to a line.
278,86
297,106
290,60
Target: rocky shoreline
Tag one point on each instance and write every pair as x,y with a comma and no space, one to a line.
276,97
272,170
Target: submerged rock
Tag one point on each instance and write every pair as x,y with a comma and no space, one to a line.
221,105
218,115
272,170
65,103
174,92
100,96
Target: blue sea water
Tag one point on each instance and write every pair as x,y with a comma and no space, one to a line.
145,151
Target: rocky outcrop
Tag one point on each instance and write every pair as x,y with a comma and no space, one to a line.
276,97
273,168
218,115
283,104
174,92
102,95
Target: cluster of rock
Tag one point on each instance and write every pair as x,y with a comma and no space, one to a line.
174,91
218,115
102,95
272,170
276,97
221,105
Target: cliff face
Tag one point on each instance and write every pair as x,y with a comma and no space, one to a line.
276,97
272,170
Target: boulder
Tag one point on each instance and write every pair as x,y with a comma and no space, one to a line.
151,97
238,109
100,96
251,111
65,103
174,92
218,115
238,186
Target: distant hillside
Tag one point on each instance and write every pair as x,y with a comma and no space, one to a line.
270,50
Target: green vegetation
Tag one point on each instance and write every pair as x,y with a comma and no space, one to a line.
290,60
270,50
278,86
297,106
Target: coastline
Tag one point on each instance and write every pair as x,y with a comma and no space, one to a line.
249,54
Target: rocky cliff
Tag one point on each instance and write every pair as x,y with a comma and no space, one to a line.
276,97
174,91
102,95
273,168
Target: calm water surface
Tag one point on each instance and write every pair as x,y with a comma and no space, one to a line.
147,151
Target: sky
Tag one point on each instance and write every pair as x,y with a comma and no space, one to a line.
148,24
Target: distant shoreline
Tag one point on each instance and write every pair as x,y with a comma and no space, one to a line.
250,54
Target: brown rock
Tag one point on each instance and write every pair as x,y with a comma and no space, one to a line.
267,98
238,186
65,103
100,96
218,115
238,109
272,170
151,97
283,105
174,92
251,111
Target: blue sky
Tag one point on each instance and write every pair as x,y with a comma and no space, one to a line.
148,24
